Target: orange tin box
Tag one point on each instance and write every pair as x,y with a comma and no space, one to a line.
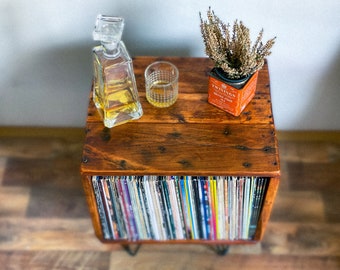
229,98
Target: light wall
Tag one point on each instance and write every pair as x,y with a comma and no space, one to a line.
46,68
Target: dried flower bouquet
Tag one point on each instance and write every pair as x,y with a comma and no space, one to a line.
231,49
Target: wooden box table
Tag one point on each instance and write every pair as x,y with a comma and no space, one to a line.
194,141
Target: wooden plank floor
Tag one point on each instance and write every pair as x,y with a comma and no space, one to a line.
45,224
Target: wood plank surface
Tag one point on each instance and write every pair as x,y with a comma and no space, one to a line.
191,105
192,137
45,223
194,108
167,149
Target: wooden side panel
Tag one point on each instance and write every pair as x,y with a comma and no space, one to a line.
167,149
267,208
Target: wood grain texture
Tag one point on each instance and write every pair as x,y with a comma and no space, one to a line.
192,137
191,105
302,232
204,149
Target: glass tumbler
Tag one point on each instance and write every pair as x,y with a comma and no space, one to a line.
161,84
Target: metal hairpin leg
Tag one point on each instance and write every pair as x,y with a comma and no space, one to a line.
220,249
131,251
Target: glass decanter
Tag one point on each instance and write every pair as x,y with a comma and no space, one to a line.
115,91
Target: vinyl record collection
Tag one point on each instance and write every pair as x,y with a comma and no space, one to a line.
179,207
